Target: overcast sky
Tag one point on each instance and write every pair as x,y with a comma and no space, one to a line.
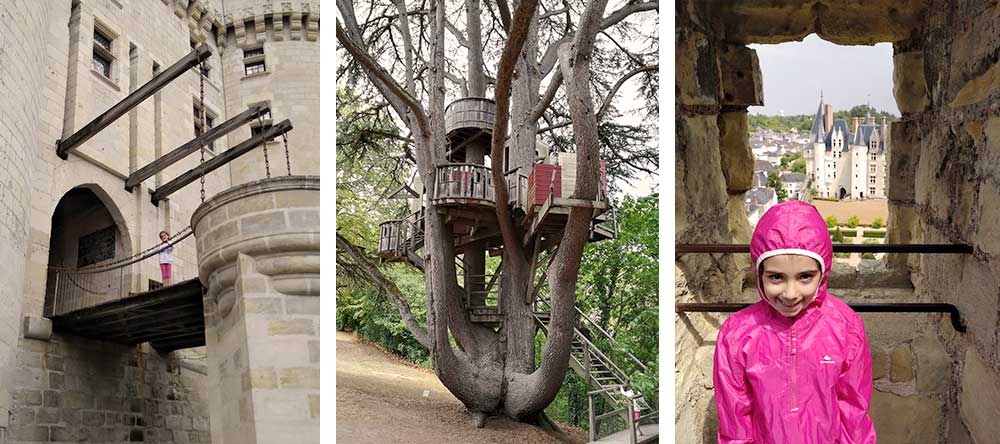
795,72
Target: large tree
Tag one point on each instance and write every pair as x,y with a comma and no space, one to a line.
409,53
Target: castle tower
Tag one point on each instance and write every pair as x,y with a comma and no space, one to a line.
270,53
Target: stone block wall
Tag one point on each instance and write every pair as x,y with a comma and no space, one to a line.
21,95
70,389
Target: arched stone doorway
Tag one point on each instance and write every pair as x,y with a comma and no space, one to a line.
87,230
843,193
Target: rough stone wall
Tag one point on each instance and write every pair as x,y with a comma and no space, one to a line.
947,79
70,389
21,95
288,31
932,383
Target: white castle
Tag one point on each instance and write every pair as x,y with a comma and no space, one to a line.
843,163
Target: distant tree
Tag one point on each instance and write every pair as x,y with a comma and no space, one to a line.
773,181
799,165
838,237
877,223
831,221
853,222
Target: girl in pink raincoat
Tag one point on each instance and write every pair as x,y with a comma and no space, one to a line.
794,367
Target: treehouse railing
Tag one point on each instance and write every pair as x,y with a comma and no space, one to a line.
517,189
397,237
464,183
542,304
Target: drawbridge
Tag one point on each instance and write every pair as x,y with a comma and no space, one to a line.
96,302
100,301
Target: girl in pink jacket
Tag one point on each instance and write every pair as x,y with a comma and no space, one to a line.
794,367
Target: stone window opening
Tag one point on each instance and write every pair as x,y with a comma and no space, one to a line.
262,124
253,61
210,117
103,61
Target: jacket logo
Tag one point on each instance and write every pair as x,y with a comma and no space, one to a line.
826,360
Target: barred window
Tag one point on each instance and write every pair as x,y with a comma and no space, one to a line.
255,67
103,56
253,52
209,123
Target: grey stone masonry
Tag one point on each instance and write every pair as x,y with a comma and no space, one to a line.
258,253
71,389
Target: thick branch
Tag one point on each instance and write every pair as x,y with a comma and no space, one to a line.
380,76
550,93
505,71
504,9
390,288
457,33
530,393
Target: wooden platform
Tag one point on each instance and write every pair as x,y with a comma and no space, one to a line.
170,318
650,434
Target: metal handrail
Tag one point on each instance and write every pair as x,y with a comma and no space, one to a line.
861,307
604,358
838,248
603,332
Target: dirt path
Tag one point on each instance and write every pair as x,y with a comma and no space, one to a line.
380,400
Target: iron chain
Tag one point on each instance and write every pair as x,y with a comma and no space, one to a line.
288,161
204,111
267,164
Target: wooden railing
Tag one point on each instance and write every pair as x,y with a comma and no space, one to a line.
464,183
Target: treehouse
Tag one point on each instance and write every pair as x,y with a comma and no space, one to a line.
464,193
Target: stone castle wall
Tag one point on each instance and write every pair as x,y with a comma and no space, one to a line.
49,91
932,383
21,95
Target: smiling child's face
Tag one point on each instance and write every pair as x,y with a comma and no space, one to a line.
790,282
164,237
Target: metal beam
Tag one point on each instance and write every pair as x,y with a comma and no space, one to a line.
206,138
196,56
220,160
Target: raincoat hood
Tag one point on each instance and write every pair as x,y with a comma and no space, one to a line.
793,227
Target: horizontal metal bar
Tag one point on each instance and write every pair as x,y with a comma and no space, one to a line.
837,248
119,109
860,307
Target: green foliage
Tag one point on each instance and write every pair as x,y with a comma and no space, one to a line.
863,111
875,234
799,166
842,255
837,237
867,255
803,122
618,288
831,221
774,182
853,222
871,241
877,223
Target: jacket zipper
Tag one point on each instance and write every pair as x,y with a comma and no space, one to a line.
795,392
